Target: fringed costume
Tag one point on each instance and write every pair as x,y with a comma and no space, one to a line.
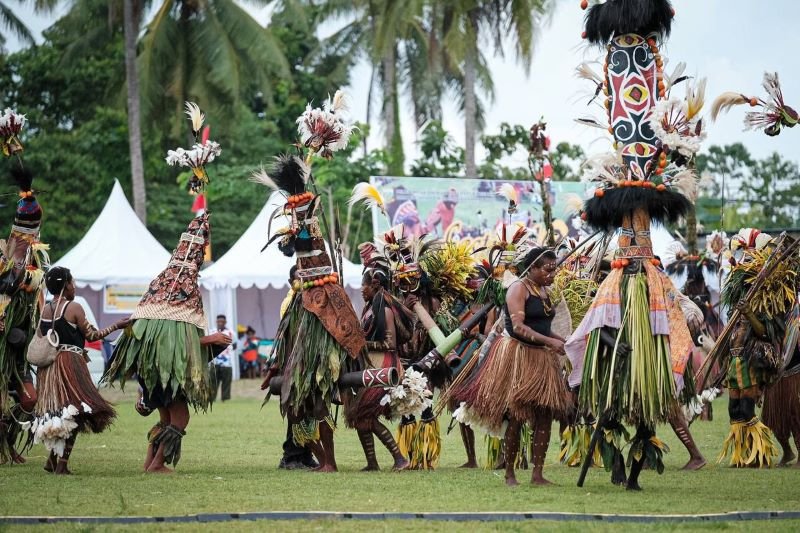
166,347
23,261
162,347
68,401
631,349
760,293
319,339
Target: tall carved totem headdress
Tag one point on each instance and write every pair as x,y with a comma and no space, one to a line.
649,175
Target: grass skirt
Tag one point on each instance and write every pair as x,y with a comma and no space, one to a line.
750,444
781,411
311,362
644,391
67,382
519,380
22,313
167,357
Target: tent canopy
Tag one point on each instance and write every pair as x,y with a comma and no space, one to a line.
245,265
117,249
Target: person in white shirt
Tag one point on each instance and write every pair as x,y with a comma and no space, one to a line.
223,361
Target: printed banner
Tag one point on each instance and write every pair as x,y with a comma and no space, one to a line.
460,208
122,298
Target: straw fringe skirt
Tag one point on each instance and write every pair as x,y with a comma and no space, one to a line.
519,380
67,382
781,411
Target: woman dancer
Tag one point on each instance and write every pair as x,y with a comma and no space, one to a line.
522,380
65,389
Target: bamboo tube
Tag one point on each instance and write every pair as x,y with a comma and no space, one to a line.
434,332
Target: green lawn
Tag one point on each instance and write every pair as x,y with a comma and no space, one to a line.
229,464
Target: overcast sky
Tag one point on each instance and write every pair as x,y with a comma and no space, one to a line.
731,42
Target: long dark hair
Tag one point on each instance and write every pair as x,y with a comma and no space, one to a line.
375,327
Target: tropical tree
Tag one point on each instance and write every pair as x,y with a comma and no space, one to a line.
131,20
391,34
11,22
210,51
467,25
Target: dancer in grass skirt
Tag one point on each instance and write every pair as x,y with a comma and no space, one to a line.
68,400
522,378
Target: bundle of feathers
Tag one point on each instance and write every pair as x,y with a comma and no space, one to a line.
288,175
618,17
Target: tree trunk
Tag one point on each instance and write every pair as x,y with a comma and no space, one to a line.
131,25
470,111
391,115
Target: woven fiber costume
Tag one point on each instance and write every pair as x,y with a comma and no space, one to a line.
162,348
630,351
319,339
166,347
760,293
68,400
23,260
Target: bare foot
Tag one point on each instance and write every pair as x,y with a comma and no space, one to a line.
160,470
61,469
371,468
17,458
511,481
326,468
401,464
695,464
469,464
50,465
539,480
633,486
786,459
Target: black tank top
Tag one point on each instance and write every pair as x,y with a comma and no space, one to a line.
537,317
67,333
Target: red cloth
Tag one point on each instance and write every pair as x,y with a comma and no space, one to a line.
199,203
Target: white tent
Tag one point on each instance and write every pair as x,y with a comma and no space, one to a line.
248,285
117,250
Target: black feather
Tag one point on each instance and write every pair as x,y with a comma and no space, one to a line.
290,174
666,207
22,177
286,247
618,17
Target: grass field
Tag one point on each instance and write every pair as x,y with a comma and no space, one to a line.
229,465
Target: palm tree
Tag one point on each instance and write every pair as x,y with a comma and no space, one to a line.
392,35
466,25
210,51
132,12
10,21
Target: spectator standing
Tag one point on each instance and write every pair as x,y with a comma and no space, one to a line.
223,361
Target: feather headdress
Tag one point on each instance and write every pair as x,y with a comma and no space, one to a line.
369,194
323,130
11,124
775,115
199,155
